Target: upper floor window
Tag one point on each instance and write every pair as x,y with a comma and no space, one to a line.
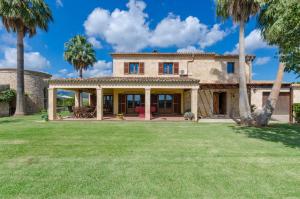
168,68
134,68
230,67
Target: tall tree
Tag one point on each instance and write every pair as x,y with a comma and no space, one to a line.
240,11
80,53
24,17
279,21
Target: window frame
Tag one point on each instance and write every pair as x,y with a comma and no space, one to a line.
136,68
230,67
168,64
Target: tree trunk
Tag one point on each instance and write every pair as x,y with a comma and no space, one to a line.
262,117
20,74
244,107
80,73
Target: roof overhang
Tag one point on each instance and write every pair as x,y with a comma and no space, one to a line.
181,55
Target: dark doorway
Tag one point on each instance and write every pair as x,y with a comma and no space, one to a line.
108,104
129,102
220,103
167,104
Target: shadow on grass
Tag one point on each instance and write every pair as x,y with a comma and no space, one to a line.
289,135
10,121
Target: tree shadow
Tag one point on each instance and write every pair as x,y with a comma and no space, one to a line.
9,121
289,135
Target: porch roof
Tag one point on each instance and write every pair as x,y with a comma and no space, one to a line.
254,84
126,80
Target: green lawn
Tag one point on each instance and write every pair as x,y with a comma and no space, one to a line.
147,160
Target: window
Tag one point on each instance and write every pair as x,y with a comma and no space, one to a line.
134,68
230,67
168,68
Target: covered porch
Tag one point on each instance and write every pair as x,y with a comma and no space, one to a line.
130,98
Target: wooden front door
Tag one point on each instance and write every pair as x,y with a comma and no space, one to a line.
220,103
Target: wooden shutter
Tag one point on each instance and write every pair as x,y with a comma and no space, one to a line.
141,68
122,103
176,68
160,68
154,102
126,68
177,103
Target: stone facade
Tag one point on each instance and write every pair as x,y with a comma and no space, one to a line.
208,68
4,109
207,87
35,88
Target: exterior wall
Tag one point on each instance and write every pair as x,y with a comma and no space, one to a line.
205,102
208,70
35,86
296,95
4,109
215,71
257,95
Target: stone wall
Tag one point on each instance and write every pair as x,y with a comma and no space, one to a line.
205,102
206,69
296,94
35,88
4,109
257,95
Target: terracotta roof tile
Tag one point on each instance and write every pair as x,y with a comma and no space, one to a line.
125,80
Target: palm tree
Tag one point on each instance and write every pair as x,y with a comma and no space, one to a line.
240,11
279,24
80,53
24,17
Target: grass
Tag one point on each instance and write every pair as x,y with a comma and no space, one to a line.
147,160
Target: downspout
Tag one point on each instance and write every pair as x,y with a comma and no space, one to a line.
190,61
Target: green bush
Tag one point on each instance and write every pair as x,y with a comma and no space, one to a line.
296,109
7,96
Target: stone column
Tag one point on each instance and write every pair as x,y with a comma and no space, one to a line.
52,104
99,104
77,99
90,99
116,102
194,103
147,104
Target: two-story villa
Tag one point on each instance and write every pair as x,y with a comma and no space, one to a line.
170,84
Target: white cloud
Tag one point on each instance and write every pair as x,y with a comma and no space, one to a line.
95,42
172,31
59,3
189,49
33,60
262,60
63,71
100,69
213,36
253,41
128,30
124,30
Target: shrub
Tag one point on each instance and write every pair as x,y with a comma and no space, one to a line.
44,115
189,116
7,96
296,109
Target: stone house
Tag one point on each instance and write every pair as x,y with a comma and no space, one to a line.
170,84
36,88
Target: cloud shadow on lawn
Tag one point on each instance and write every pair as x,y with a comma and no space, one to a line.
289,135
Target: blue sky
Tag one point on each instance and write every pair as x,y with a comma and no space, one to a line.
121,25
